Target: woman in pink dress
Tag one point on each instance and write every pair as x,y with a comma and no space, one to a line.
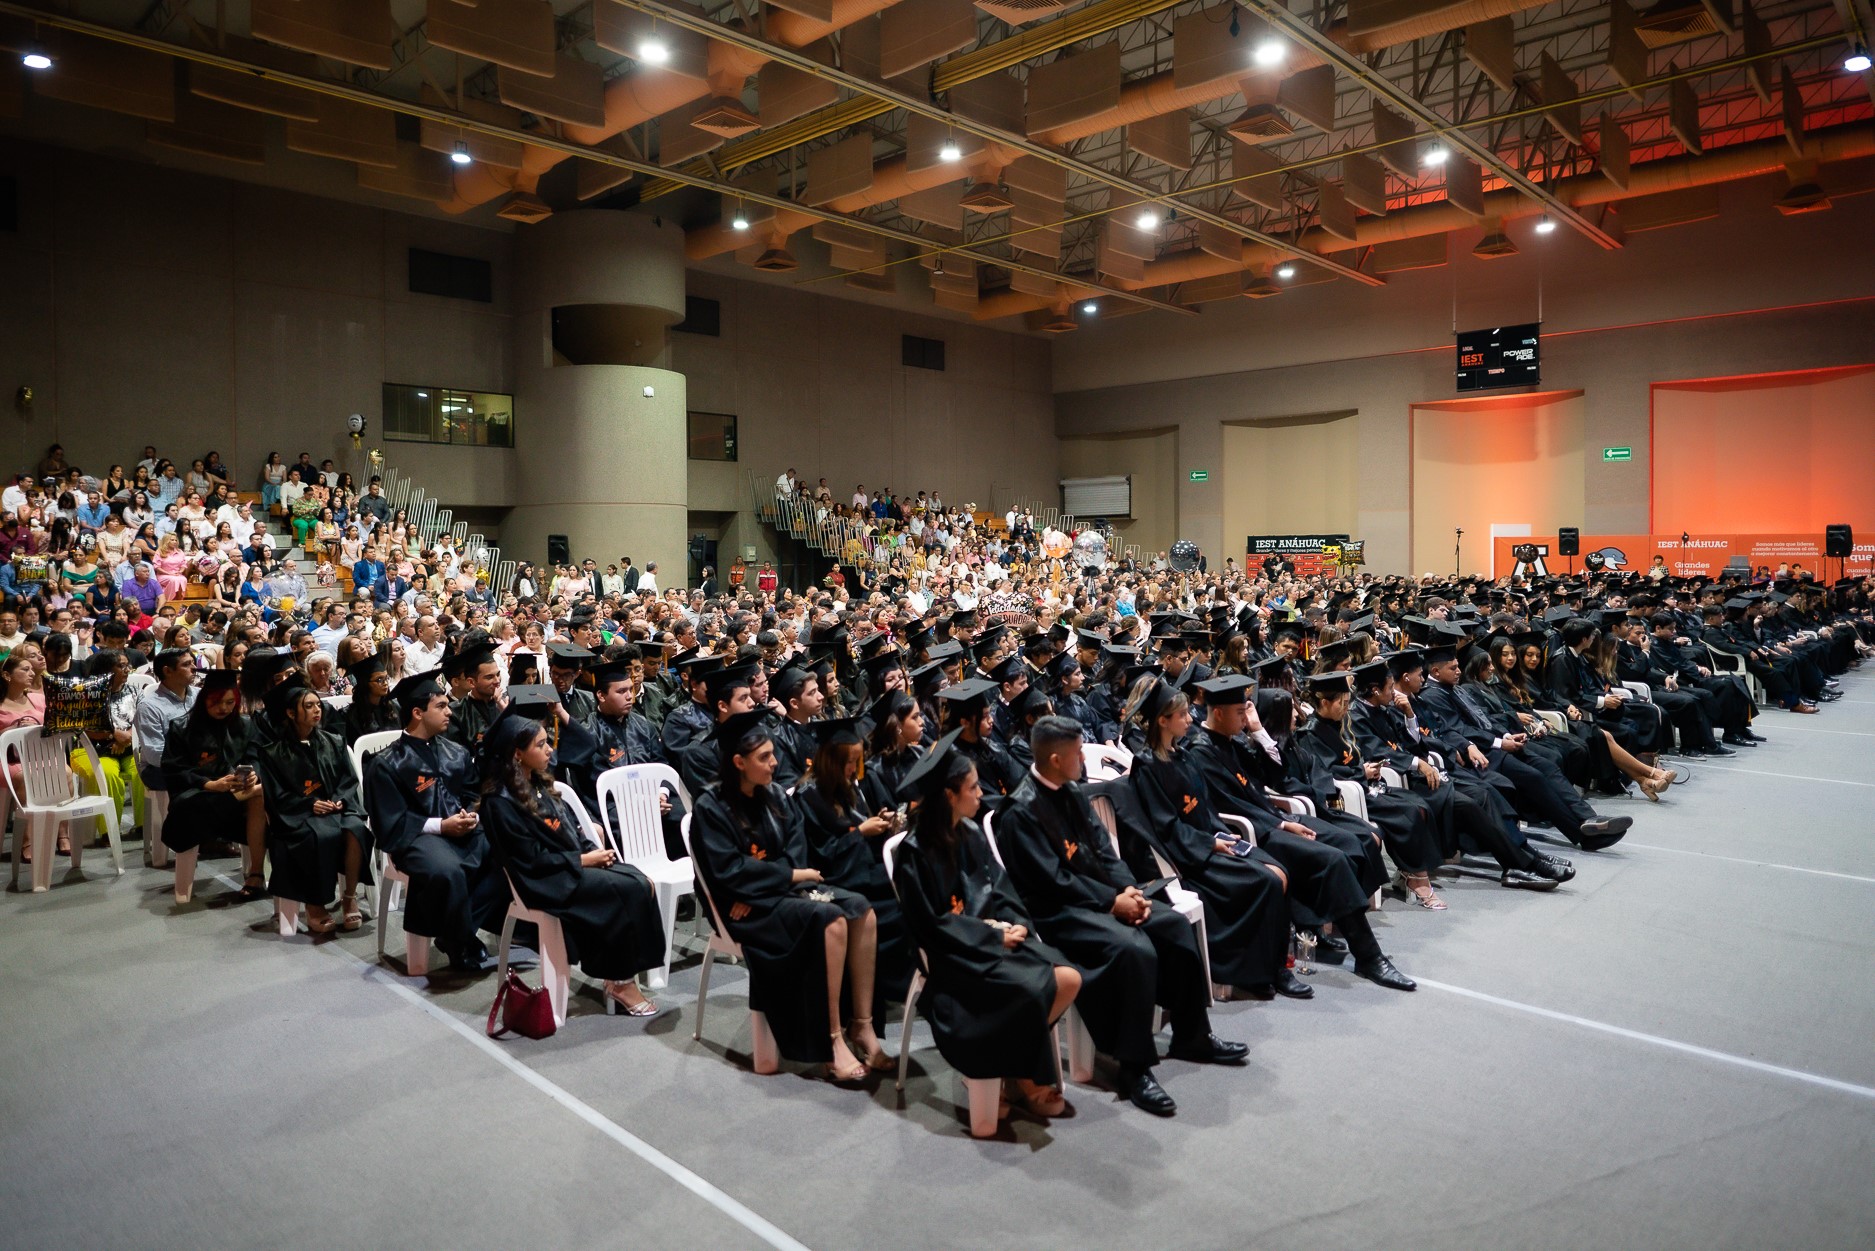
23,704
172,568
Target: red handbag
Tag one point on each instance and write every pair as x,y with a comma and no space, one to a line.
522,1010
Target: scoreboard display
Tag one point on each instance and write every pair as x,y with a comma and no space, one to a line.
1502,356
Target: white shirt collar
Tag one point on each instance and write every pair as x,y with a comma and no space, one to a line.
1046,784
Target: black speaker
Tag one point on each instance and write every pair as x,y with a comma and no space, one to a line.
1838,541
1569,541
559,552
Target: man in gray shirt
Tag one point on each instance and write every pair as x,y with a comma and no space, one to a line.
172,696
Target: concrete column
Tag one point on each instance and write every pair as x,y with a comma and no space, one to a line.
601,448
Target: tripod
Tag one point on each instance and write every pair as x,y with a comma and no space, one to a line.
1458,542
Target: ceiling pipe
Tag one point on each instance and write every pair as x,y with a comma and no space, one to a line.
1746,160
635,98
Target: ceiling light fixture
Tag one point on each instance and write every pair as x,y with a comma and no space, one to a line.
461,155
1269,52
1286,270
1544,225
653,50
739,222
1435,155
1857,62
1090,308
423,395
1148,219
950,151
35,58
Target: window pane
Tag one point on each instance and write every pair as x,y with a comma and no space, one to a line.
424,414
712,436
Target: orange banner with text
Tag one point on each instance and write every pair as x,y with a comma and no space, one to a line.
1700,554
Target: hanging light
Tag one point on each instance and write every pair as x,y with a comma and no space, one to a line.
461,155
1435,155
739,221
651,49
1090,308
1545,225
1269,52
1148,219
35,58
1856,62
1286,270
950,151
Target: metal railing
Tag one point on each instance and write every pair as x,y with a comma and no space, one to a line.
432,522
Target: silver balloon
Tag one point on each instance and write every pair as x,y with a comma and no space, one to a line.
1090,550
1184,556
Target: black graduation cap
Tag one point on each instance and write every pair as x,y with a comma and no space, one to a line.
1613,616
1365,623
1336,683
1062,665
1372,675
1287,630
1232,688
920,635
362,671
533,700
1007,670
834,731
964,618
1529,638
876,643
416,689
1439,653
987,641
1738,603
721,682
523,668
968,696
1158,695
283,695
1059,633
220,680
699,667
267,662
1406,660
925,678
946,651
568,655
884,706
1033,702
1265,669
788,683
610,671
1333,654
1557,615
876,664
735,726
927,774
468,660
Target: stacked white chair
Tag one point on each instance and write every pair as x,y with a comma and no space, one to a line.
47,796
628,804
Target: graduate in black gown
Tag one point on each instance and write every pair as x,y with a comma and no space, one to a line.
372,711
421,793
316,828
1329,882
1133,950
622,736
1243,888
214,787
807,942
480,706
845,838
895,743
607,911
993,988
1291,771
966,708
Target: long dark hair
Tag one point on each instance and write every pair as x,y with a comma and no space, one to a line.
501,765
937,835
830,775
1276,709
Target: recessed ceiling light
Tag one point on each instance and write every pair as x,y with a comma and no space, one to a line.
423,395
1269,52
1856,62
1544,225
1435,155
1148,219
653,51
739,222
1286,270
1090,307
950,151
35,59
461,155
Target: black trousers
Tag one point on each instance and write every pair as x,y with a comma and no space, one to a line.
455,887
1543,793
1126,971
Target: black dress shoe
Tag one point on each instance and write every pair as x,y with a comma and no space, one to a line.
1756,737
1381,972
1148,1095
1290,986
1520,879
1719,749
1208,1050
1331,948
1556,868
1739,740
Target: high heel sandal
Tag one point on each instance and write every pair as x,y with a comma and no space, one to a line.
353,917
874,1058
253,886
644,1007
851,1076
1428,899
320,922
1652,787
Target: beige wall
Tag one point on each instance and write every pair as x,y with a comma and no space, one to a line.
1152,460
1681,303
146,305
815,383
1290,475
1479,463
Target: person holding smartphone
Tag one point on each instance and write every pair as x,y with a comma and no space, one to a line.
214,789
421,792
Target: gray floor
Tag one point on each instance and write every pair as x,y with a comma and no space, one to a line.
1675,1050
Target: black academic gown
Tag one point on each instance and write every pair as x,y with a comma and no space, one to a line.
794,747
197,751
988,1004
746,854
1415,842
685,724
1061,862
847,858
883,775
1246,915
470,720
306,850
455,889
620,741
1324,883
609,915
997,774
362,717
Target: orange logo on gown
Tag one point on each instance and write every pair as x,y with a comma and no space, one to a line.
1242,780
424,782
613,753
1347,757
552,823
208,757
758,852
1191,804
311,784
957,906
1071,848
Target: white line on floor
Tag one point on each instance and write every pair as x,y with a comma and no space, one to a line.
1724,1057
1762,864
1814,729
1795,777
728,1205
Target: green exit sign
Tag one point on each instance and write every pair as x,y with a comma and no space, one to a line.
1201,475
1617,453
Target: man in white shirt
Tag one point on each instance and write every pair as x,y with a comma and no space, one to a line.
168,699
648,580
786,483
426,651
860,498
15,497
332,632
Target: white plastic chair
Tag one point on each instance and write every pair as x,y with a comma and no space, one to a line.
1104,763
1184,900
1080,1042
767,1056
982,1095
628,804
556,970
155,810
48,796
1727,662
391,883
336,703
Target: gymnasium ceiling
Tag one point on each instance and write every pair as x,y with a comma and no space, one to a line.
1012,159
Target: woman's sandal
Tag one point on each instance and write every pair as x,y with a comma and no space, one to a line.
320,923
1423,894
1652,788
876,1059
644,1006
353,917
849,1077
1046,1101
253,886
